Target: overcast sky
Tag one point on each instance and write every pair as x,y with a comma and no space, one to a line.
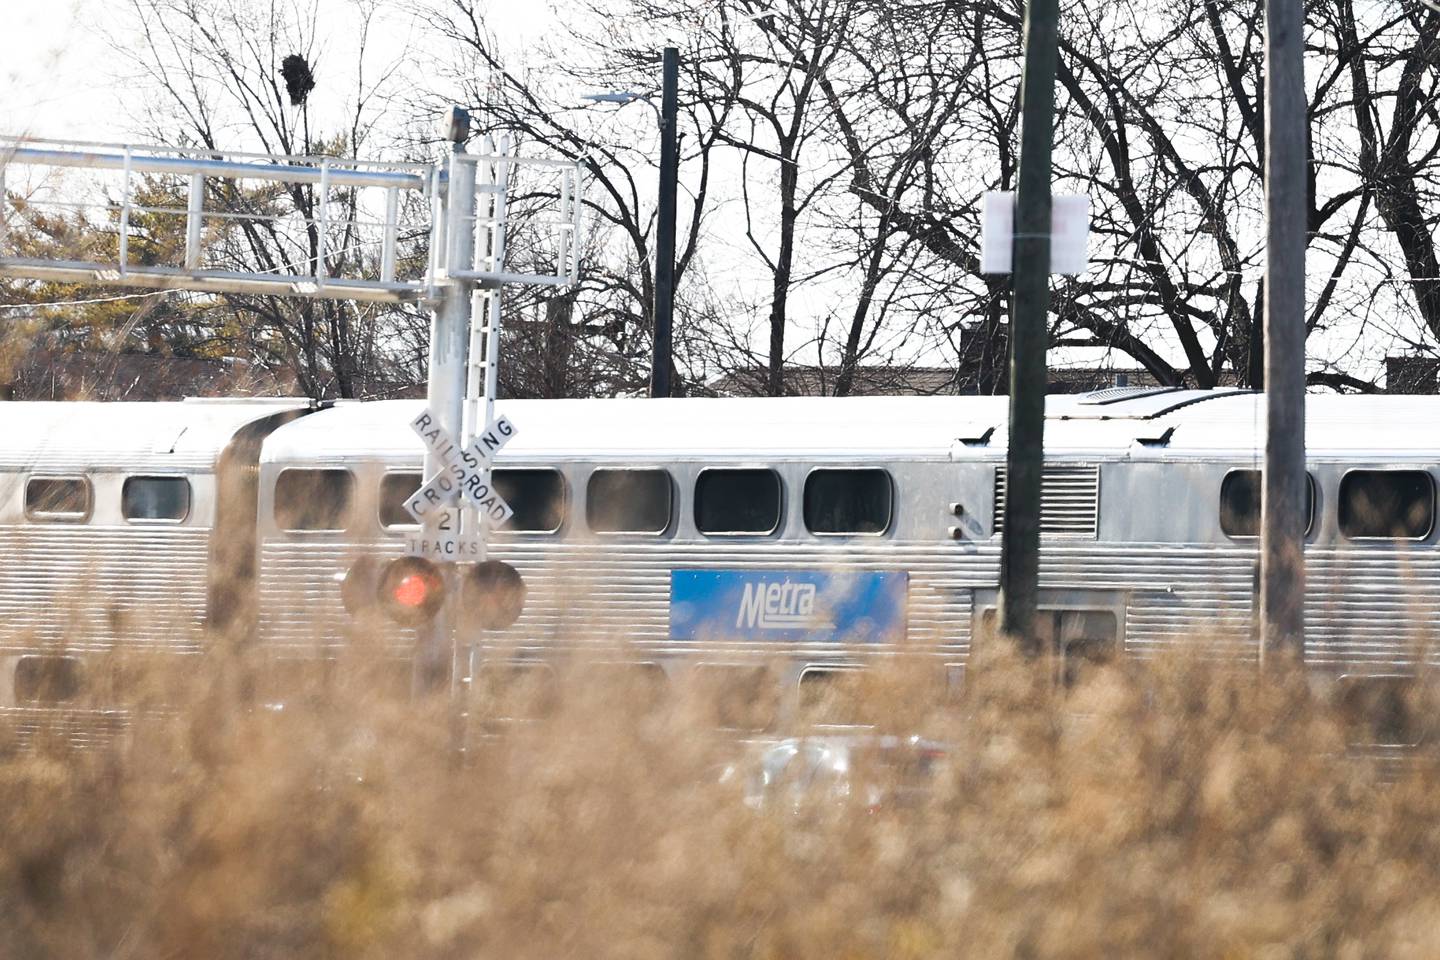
60,78
51,83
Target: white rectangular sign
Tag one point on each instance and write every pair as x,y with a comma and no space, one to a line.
1069,232
444,541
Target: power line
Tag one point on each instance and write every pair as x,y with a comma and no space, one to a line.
81,303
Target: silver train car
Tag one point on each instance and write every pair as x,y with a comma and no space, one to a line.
821,533
773,541
121,525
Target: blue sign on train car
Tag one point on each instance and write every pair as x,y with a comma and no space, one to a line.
788,605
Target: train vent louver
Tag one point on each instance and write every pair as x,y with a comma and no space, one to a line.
1069,500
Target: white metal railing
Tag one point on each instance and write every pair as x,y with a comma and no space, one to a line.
502,180
234,222
214,221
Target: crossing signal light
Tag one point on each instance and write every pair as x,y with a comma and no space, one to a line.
411,590
357,589
493,594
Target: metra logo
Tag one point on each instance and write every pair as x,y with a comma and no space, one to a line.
777,606
860,606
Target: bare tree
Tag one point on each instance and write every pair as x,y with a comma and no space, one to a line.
220,71
612,311
1160,123
834,155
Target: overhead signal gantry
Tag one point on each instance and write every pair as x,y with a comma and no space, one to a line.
429,233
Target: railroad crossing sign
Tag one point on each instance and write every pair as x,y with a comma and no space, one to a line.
462,475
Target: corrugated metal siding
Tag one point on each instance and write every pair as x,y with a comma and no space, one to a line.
83,587
599,594
80,728
1366,609
1069,500
1373,607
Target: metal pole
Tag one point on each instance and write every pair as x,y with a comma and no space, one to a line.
126,193
194,221
388,238
1283,502
665,230
1029,331
445,392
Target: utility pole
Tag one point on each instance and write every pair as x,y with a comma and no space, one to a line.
665,230
1283,513
1029,330
445,390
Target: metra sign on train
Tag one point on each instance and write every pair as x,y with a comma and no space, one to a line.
790,605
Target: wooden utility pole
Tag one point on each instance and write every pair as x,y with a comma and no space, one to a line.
1283,513
665,228
1029,330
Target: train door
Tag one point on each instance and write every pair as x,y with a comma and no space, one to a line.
1082,627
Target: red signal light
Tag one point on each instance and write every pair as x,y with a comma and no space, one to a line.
411,590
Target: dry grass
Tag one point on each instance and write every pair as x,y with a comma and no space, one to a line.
1178,811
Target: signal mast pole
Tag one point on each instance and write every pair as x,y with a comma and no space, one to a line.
445,391
1029,330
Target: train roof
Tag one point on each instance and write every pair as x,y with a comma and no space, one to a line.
1337,427
637,429
160,436
1121,422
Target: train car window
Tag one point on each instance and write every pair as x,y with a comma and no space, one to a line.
1083,639
157,499
395,489
628,501
737,501
1389,504
536,496
848,501
517,691
739,697
314,499
1387,711
832,696
58,499
1240,503
641,687
43,679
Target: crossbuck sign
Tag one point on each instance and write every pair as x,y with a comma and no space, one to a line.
462,475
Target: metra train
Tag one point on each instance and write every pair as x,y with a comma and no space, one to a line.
722,536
